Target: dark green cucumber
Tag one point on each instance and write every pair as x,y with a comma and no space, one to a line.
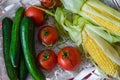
28,45
23,72
15,37
6,32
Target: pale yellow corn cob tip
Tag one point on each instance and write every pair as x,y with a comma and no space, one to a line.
105,63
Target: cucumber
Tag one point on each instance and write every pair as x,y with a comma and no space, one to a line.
15,37
23,72
6,32
28,45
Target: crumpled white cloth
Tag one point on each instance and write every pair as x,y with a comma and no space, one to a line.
9,8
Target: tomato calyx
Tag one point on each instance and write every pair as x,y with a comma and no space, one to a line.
46,56
65,54
45,32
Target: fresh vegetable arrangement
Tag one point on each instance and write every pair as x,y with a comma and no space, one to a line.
19,45
93,42
88,23
91,36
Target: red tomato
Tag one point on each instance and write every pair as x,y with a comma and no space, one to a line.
48,35
36,14
47,59
69,58
51,3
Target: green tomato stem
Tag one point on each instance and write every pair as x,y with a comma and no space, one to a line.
45,32
65,54
46,55
46,11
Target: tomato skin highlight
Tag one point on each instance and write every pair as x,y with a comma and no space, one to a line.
48,35
47,59
69,58
37,15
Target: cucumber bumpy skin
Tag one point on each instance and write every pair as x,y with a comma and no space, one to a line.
6,32
23,71
15,37
28,45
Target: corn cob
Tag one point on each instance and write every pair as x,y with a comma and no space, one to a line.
104,62
96,12
102,15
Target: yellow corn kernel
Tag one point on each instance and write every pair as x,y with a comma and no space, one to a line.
104,9
96,53
107,24
101,17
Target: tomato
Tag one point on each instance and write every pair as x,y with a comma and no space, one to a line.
69,58
48,35
47,59
37,15
51,3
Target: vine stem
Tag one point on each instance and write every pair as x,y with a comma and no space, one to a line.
46,11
